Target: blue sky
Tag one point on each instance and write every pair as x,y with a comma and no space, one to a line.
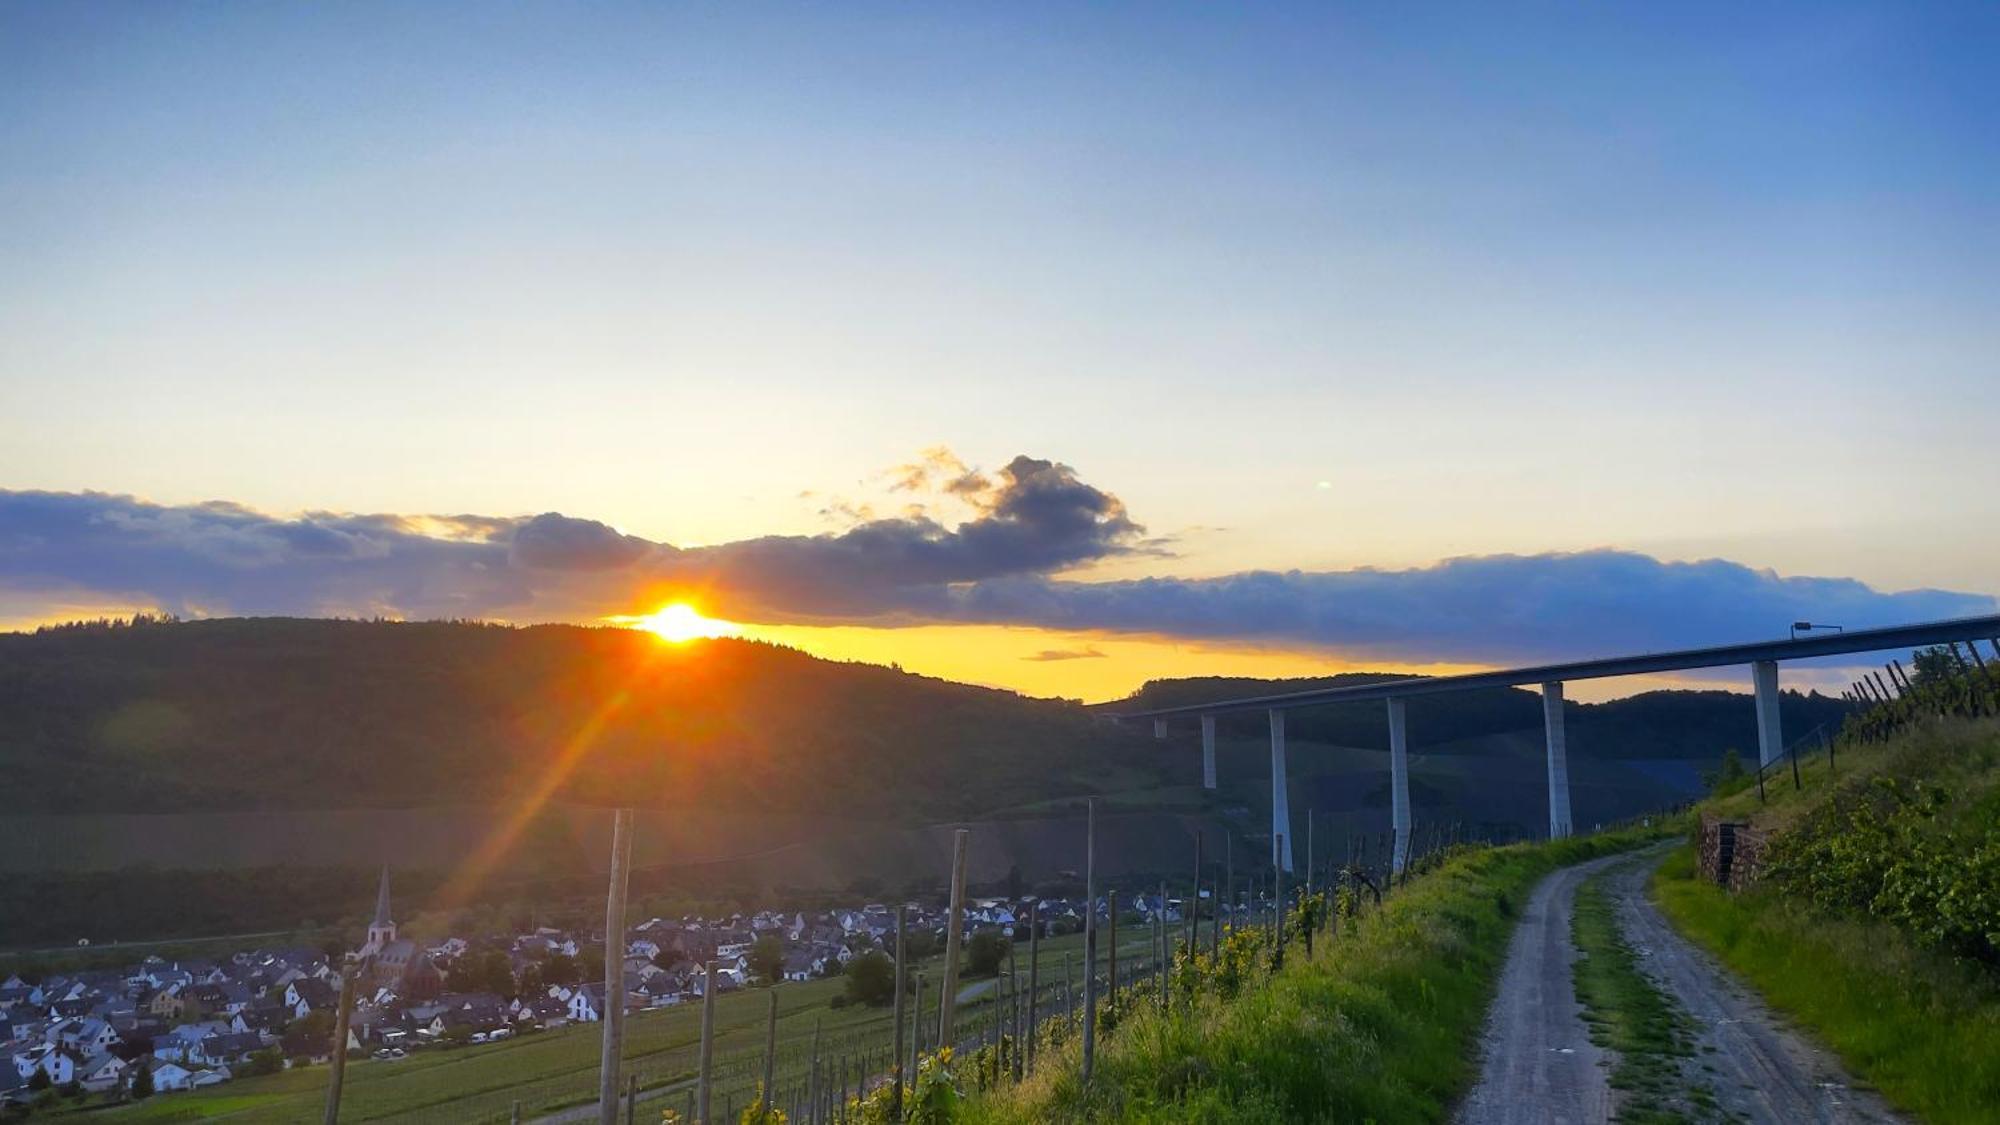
1312,287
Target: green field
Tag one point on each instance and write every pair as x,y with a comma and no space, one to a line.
551,1070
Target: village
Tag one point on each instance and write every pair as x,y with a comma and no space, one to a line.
161,1025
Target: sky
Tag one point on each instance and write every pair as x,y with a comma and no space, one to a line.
983,340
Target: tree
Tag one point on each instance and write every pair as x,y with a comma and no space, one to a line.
1727,776
142,1081
486,971
590,963
561,969
266,1061
920,943
39,1080
1935,664
985,953
531,982
767,958
310,1034
871,978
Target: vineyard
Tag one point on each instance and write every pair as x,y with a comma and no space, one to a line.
1874,918
1912,840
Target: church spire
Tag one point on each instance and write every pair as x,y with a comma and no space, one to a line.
382,903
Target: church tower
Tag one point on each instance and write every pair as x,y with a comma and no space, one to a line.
382,930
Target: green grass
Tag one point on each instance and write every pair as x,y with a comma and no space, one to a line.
1923,1027
1380,1025
1627,1014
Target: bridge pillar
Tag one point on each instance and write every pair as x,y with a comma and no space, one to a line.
1160,729
1208,751
1552,718
1281,808
1399,783
1770,735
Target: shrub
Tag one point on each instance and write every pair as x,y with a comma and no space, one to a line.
985,953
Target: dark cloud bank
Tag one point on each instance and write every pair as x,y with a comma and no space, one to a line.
1030,520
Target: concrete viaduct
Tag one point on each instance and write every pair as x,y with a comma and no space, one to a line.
1762,658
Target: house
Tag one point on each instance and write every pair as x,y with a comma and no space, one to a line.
550,1012
801,965
586,1004
202,1078
59,1063
659,991
170,1076
307,993
183,1044
481,1011
87,1036
104,1072
167,1001
233,1047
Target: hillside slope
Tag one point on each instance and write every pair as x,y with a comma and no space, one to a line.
277,714
1874,916
285,713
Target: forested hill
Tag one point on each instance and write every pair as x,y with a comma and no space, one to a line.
1655,724
279,713
289,713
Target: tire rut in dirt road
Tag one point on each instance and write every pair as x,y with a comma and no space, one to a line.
1538,1065
1757,1069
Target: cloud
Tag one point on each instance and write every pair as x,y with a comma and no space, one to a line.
1041,519
1496,609
939,469
1014,561
557,542
1088,652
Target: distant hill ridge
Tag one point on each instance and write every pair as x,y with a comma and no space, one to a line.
260,713
275,713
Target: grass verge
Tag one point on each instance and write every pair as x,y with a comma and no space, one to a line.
1380,1026
1923,1027
1628,1015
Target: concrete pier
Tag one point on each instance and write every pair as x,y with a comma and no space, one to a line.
1208,751
1281,808
1552,718
1399,781
1770,733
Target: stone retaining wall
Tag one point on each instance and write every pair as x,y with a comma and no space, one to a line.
1731,852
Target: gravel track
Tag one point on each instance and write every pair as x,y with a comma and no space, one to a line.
1759,1069
1539,1066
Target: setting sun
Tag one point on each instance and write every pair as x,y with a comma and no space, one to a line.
680,622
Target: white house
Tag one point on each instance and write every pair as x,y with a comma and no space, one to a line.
169,1076
87,1037
586,1004
105,1072
56,1062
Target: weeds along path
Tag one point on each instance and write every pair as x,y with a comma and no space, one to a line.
1757,1069
1538,1065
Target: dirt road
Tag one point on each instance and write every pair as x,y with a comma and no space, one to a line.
1758,1069
1538,1064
